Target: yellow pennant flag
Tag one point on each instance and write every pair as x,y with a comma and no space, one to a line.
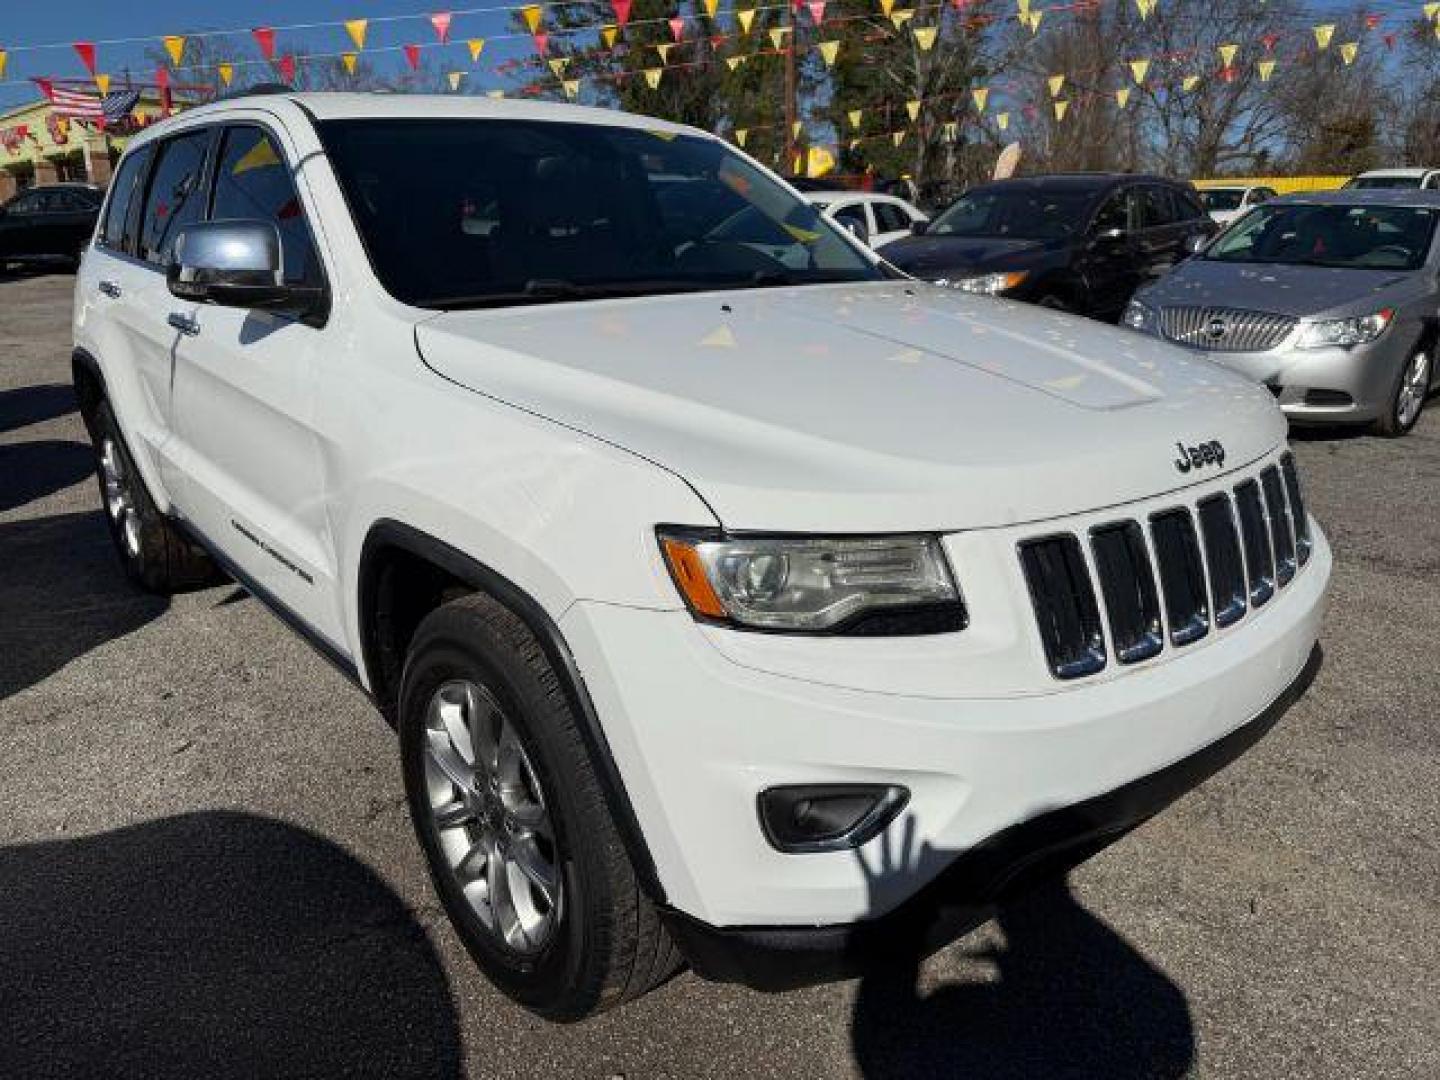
745,18
476,47
741,134
1349,51
349,59
795,129
1145,7
1266,69
952,129
900,18
663,48
886,7
897,137
1190,82
1035,17
356,28
4,58
925,37
711,6
1139,69
1002,120
912,109
1122,96
1432,11
855,116
777,36
572,88
1024,8
828,52
818,162
608,34
652,77
175,47
734,61
453,78
981,95
102,83
1227,55
531,13
1323,33
1061,108
558,65
227,72
1056,84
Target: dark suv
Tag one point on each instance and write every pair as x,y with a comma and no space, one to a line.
1079,242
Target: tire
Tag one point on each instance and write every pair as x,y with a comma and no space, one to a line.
569,932
1407,399
155,554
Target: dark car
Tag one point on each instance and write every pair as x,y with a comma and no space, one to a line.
1077,242
51,222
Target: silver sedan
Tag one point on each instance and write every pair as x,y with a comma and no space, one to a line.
1332,299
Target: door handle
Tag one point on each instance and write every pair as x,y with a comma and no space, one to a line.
184,323
110,289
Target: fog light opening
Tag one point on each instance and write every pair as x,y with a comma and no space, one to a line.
803,818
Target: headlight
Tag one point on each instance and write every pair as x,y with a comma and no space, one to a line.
1140,317
1344,332
802,584
988,284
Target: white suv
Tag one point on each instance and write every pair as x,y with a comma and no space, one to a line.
737,602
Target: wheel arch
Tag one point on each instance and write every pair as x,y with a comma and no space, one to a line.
89,383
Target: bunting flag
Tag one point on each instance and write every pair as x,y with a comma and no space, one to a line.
980,95
952,130
86,51
1145,7
412,57
818,162
531,13
441,22
711,7
796,128
227,72
897,137
677,28
608,34
1227,55
1323,34
1061,108
745,19
741,134
1266,69
356,28
1002,120
286,66
1191,81
1432,11
734,62
102,83
900,18
1056,84
476,47
777,36
1269,40
817,10
4,59
350,60
622,12
542,42
1023,6
265,38
571,88
925,37
558,64
663,48
855,116
828,52
1122,96
453,78
886,7
175,48
652,77
912,110
1138,70
1350,49
1034,20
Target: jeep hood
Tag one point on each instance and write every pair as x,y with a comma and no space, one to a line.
864,408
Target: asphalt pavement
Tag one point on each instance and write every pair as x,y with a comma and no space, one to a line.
206,868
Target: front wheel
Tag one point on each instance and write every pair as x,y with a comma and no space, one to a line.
1408,400
508,809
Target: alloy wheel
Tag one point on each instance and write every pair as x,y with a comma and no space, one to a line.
120,496
1414,385
489,815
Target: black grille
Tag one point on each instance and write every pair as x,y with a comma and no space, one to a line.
1128,586
1259,561
1222,552
1182,575
1303,543
1065,607
1279,525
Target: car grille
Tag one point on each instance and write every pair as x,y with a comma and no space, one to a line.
1204,567
1217,329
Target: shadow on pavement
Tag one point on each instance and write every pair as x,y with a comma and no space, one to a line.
62,593
1068,997
32,470
33,404
214,945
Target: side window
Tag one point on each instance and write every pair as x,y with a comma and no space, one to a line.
889,217
31,202
1112,215
253,183
1155,208
175,197
852,215
1186,205
123,191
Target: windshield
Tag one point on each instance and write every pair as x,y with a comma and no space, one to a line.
1377,182
469,213
1019,213
1221,198
1369,237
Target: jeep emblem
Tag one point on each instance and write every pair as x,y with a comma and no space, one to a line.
1197,457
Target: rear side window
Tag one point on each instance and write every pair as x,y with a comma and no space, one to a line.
889,217
1155,208
253,183
124,190
854,214
1187,206
176,195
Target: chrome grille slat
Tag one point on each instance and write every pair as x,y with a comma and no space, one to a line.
1243,331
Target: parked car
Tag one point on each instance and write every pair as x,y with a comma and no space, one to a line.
1076,242
1330,299
1425,179
736,600
55,221
875,219
1226,203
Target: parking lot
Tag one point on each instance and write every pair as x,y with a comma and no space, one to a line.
206,867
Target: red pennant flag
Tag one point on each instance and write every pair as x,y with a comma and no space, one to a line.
1372,21
86,51
542,42
817,10
677,27
1389,41
441,22
412,57
162,80
622,11
286,66
1270,40
47,88
1228,74
265,38
162,77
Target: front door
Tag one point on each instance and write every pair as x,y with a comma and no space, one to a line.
1107,264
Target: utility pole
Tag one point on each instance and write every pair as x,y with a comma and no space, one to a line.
791,111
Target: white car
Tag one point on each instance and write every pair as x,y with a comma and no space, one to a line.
875,219
1225,203
732,609
1396,178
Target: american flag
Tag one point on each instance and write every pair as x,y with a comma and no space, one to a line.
112,108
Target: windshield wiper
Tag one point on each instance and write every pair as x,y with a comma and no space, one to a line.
552,290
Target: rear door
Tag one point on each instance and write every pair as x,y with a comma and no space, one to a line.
891,221
24,224
1160,231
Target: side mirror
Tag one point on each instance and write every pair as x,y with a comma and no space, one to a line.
236,264
856,229
919,228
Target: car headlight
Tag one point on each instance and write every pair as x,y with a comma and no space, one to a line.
986,284
1140,317
876,585
1344,332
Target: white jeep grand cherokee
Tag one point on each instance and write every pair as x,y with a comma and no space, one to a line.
737,600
